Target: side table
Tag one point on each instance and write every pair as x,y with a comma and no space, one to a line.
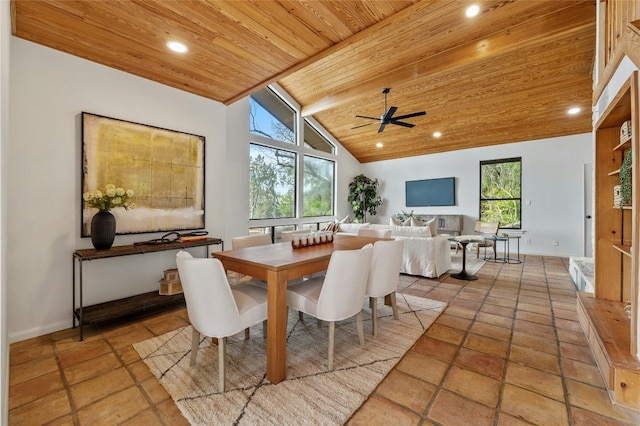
463,240
506,254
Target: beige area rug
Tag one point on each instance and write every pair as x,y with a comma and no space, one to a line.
473,265
310,394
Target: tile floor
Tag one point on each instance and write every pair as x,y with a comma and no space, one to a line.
508,350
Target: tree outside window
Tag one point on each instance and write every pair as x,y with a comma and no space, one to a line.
275,150
271,182
500,192
318,186
271,117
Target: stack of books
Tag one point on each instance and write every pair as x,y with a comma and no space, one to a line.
189,238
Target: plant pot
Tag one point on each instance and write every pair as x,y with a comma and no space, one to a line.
103,230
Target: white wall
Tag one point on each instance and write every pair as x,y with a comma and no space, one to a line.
5,24
49,90
552,181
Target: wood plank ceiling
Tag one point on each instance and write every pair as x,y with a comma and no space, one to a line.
510,74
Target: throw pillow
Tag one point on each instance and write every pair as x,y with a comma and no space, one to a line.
333,227
407,222
346,219
394,221
416,222
433,226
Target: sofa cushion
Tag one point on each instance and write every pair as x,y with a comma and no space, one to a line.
352,228
411,231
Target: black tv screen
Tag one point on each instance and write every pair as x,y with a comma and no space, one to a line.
431,192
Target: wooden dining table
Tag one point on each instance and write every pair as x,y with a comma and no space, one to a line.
277,264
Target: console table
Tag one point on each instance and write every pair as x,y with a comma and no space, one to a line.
129,305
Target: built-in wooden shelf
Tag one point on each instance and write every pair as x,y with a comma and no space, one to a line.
623,145
611,329
623,248
607,328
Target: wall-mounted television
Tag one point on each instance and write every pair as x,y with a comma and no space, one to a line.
431,192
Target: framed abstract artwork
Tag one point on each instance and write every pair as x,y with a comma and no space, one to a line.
164,169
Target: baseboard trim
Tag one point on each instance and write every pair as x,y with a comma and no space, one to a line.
38,331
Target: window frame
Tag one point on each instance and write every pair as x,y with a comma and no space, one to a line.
517,199
299,220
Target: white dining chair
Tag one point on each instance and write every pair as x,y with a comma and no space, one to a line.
336,296
384,274
250,241
216,309
377,233
287,236
245,241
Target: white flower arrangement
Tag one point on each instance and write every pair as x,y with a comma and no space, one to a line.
112,197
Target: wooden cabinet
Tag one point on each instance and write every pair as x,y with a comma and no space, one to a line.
611,333
446,223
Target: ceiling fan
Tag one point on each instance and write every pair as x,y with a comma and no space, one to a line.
388,118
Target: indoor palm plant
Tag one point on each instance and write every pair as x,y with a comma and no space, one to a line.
363,196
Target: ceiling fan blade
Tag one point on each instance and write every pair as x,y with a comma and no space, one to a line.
370,118
389,114
362,125
381,127
415,114
401,123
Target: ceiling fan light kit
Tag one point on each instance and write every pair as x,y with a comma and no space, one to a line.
388,118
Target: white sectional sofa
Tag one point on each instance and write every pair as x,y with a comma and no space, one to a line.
424,254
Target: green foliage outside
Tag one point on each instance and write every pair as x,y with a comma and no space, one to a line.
500,193
272,177
318,187
271,183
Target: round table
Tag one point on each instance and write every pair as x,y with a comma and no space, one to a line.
463,241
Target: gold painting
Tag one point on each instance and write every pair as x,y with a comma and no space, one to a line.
164,168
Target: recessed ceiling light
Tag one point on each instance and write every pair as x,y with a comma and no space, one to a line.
379,145
437,134
176,46
472,11
574,110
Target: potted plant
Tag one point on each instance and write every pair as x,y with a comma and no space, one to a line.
625,180
103,223
363,196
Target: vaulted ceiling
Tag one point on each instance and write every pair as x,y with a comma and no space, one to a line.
510,74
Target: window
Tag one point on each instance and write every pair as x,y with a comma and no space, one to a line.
318,186
313,139
271,118
272,174
292,164
500,192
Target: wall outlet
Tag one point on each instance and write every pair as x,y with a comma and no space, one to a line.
556,242
528,240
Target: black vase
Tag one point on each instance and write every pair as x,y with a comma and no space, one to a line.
103,230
